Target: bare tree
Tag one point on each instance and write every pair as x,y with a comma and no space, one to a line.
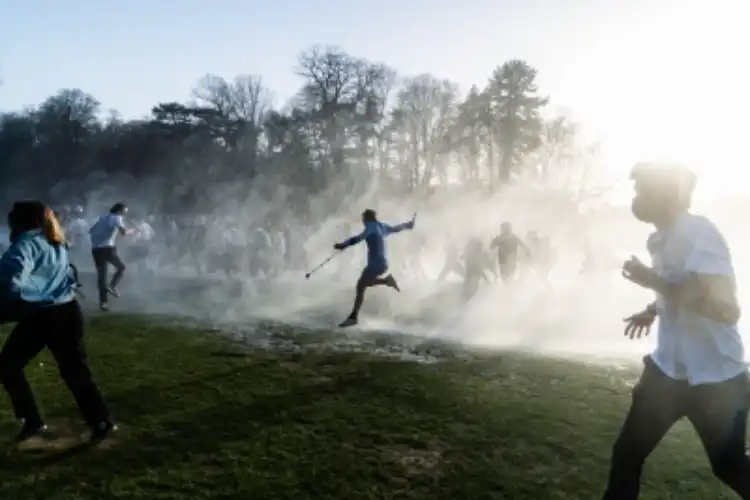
567,164
345,97
424,114
245,98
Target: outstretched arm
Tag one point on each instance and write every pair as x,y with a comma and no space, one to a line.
353,240
399,227
121,228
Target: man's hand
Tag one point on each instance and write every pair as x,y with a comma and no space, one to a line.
639,273
639,325
413,220
338,246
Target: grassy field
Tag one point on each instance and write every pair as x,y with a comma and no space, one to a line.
200,420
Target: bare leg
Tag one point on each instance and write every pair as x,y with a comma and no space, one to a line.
364,282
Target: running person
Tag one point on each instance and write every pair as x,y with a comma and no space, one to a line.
37,291
508,246
374,236
452,259
475,263
103,236
698,369
77,229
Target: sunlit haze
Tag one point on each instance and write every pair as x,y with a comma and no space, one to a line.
645,79
651,78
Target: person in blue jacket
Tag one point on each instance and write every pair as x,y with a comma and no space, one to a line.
374,236
38,291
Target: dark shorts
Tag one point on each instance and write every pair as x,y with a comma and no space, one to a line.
373,271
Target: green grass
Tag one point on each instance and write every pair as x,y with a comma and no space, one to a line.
199,422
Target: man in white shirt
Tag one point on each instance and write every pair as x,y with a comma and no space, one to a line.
697,370
261,251
104,234
77,229
143,234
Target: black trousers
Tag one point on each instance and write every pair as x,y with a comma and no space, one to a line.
60,329
103,257
718,412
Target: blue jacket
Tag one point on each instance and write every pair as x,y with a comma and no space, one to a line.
374,235
35,271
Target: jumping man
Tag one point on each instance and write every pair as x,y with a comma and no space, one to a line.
374,236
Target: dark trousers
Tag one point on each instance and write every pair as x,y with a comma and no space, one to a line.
508,269
718,412
60,329
103,257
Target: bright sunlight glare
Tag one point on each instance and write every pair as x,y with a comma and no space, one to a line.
673,91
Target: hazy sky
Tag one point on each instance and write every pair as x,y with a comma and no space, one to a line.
644,75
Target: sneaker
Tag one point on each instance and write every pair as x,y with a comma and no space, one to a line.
390,281
113,291
30,430
104,306
102,431
350,321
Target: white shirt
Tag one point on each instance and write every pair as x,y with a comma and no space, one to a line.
104,232
144,232
232,236
77,230
281,243
690,346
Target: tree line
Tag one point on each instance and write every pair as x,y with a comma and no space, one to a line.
353,126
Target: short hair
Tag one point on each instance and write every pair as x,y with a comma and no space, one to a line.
370,214
118,207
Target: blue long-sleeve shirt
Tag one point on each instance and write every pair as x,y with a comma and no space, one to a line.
374,236
35,271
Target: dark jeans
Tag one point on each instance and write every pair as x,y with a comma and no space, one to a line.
60,329
103,257
718,413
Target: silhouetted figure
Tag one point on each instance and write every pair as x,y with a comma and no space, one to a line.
698,369
38,291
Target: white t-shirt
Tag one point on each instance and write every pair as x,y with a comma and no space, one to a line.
690,346
104,232
144,232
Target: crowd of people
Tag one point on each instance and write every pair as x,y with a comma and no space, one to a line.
269,247
697,371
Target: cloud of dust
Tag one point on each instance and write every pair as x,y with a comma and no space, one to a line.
574,315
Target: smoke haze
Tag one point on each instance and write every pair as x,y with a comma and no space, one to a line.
575,315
